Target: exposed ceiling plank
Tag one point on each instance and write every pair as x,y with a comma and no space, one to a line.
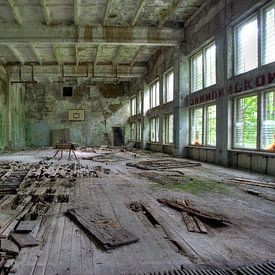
16,53
151,36
76,55
56,54
117,55
45,12
15,11
36,54
76,12
97,53
108,7
168,12
139,10
136,55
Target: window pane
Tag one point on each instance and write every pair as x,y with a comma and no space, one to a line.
169,87
154,94
139,98
157,129
211,125
170,129
246,36
210,66
268,122
196,130
133,106
133,131
269,35
152,129
196,73
245,126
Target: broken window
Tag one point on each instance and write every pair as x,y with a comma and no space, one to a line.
168,129
154,129
203,129
203,68
133,106
168,87
154,94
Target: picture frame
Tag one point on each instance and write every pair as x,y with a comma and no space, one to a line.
76,115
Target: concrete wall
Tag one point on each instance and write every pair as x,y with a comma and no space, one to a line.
46,109
3,114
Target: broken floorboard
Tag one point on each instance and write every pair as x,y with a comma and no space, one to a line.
107,232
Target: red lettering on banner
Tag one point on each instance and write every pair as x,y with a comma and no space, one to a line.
191,101
196,100
229,89
247,84
260,81
201,98
271,77
214,95
208,97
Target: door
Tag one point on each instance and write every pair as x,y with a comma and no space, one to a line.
118,136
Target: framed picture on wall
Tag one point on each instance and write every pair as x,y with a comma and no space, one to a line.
76,114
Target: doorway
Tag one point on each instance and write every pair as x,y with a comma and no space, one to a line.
118,134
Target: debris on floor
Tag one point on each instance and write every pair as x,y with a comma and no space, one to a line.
107,232
208,218
253,182
267,196
23,239
163,164
165,178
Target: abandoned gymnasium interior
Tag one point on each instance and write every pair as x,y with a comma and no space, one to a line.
137,137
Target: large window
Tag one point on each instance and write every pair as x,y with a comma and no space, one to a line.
168,129
168,90
139,130
203,68
247,44
133,106
133,131
139,102
252,114
154,94
154,129
203,125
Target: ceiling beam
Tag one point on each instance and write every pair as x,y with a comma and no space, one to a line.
76,12
100,71
112,35
76,55
168,12
36,54
107,11
139,10
137,54
56,54
97,52
15,11
117,55
16,54
45,12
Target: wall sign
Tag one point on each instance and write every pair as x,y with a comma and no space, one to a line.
234,88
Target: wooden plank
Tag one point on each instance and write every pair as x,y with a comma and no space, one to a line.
9,247
25,226
107,232
23,240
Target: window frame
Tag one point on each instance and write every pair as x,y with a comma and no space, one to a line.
204,108
133,136
157,94
133,112
202,51
166,128
157,137
260,111
165,88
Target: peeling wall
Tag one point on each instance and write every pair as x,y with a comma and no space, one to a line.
46,109
3,114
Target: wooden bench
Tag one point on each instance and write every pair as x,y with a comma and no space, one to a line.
65,146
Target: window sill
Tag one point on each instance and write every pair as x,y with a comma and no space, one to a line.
201,147
263,153
153,143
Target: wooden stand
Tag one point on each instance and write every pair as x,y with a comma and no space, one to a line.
65,146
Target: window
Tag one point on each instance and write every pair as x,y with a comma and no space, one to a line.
245,124
67,91
133,131
168,127
139,102
246,45
139,131
168,87
154,129
154,94
246,40
203,68
133,106
268,122
269,34
203,129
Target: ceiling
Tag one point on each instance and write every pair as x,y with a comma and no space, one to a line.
49,40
